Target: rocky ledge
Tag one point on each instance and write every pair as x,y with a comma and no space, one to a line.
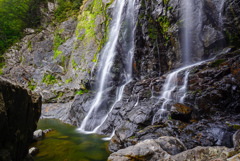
20,110
172,149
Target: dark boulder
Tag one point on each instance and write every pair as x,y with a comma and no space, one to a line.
180,112
20,110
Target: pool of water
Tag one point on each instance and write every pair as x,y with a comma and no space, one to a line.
65,143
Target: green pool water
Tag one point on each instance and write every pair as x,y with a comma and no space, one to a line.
65,143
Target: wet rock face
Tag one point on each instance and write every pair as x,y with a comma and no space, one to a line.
19,112
158,43
214,88
208,117
231,21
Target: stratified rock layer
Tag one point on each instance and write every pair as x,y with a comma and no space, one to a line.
20,110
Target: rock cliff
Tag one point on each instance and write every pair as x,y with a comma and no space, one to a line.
20,110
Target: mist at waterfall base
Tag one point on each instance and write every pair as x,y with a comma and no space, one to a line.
65,143
122,25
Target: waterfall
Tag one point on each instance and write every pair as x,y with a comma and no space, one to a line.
98,113
187,10
183,89
173,91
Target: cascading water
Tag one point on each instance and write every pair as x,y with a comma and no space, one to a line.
183,89
171,91
98,112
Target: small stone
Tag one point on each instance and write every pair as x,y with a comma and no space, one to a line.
38,134
33,151
47,131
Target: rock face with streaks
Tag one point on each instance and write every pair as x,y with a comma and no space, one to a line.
20,110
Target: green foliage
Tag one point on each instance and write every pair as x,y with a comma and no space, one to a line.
86,23
82,91
32,85
15,15
29,44
60,95
49,79
2,64
56,43
57,53
74,64
66,8
165,1
69,80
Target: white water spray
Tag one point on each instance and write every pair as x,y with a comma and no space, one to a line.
93,121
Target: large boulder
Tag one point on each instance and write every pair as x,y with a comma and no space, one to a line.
20,110
159,149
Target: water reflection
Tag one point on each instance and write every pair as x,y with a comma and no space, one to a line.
65,143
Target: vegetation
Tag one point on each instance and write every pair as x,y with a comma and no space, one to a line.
49,79
2,63
82,91
66,8
32,85
16,15
69,80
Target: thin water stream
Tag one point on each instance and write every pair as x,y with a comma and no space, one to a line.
99,109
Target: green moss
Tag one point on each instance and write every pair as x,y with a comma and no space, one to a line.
60,95
61,30
85,31
29,44
164,23
2,64
1,72
49,79
236,127
217,62
132,137
56,43
165,1
170,8
74,64
69,80
32,85
82,92
57,53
